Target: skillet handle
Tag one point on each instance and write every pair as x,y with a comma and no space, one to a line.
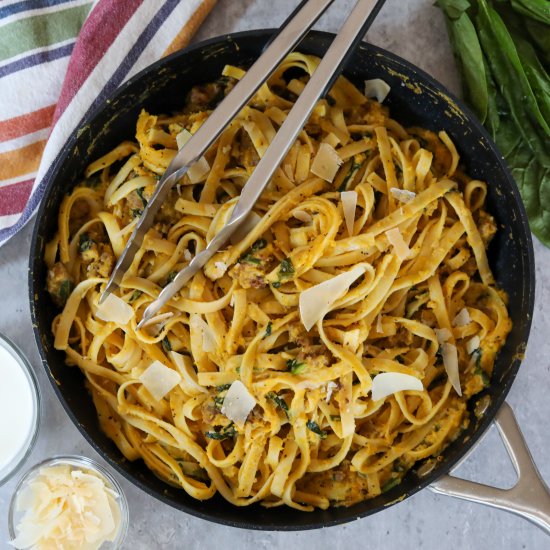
529,498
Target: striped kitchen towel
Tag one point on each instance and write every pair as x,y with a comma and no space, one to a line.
59,59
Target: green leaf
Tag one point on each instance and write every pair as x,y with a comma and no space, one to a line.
249,259
85,242
268,330
279,401
258,245
314,427
469,56
140,193
506,66
65,290
537,9
166,345
295,366
390,484
354,168
226,432
286,270
135,295
453,9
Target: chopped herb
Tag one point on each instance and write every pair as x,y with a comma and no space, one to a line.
135,295
140,193
192,470
226,432
249,259
219,399
276,284
399,359
477,355
354,168
65,290
314,427
249,256
85,242
136,213
390,484
258,245
171,277
295,366
286,270
478,368
166,345
279,401
398,466
268,330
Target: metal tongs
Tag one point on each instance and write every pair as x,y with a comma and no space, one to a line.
288,37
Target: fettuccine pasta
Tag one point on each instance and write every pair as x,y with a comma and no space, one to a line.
369,233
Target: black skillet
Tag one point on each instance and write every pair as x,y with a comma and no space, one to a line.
415,99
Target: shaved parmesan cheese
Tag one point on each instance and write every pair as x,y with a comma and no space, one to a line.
443,334
331,386
183,137
462,318
238,403
450,360
315,302
66,507
302,216
159,380
250,223
326,162
377,88
115,310
399,245
198,170
349,204
209,344
184,365
473,344
402,195
387,383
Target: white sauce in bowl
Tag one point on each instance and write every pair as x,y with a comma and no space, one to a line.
18,409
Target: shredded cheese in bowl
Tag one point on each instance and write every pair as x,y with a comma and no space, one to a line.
68,502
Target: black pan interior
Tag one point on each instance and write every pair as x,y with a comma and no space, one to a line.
415,99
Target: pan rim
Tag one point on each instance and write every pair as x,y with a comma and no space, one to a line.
439,471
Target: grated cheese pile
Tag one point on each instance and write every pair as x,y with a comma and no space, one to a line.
69,508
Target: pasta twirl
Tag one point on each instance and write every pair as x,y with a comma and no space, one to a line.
411,293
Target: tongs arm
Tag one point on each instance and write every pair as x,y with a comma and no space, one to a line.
320,82
287,38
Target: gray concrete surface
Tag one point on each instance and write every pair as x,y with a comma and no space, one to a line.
413,29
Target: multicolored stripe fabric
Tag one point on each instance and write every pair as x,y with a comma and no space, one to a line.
59,59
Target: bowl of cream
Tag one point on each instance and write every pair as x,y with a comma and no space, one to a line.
19,409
